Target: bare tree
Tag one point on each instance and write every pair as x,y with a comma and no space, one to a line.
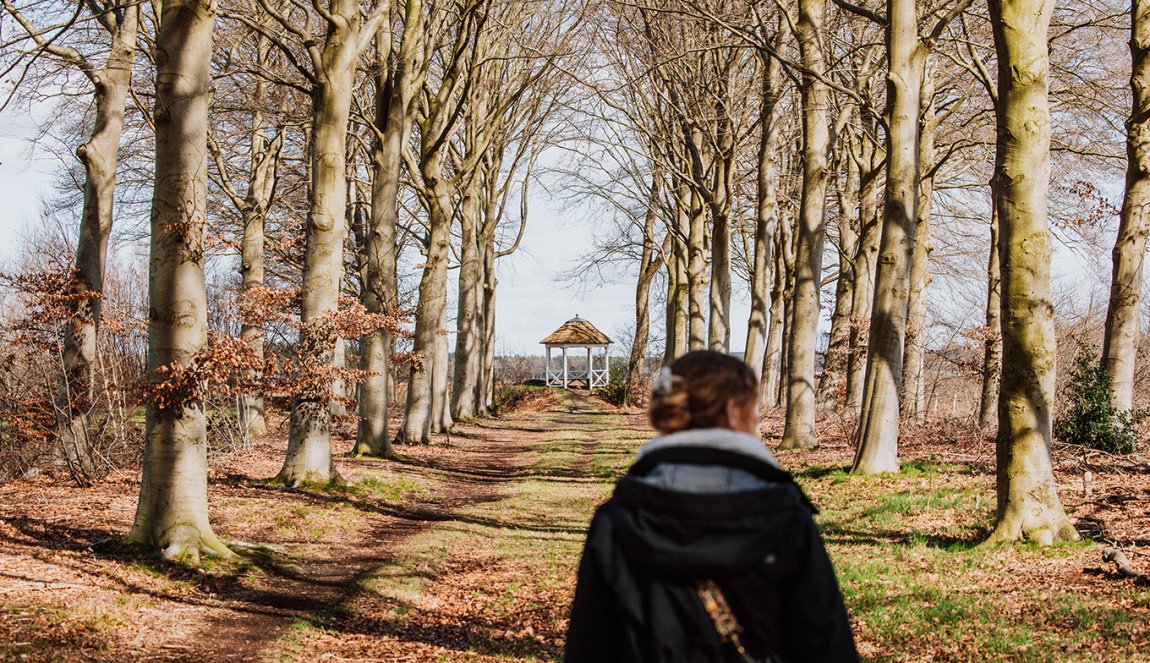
1120,345
330,74
172,513
265,139
907,52
1028,504
111,82
402,70
436,122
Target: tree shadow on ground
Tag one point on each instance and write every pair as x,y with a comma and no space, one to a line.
228,580
837,534
820,471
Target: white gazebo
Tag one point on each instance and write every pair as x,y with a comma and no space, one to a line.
578,335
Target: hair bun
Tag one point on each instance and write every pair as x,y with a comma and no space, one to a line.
670,408
693,392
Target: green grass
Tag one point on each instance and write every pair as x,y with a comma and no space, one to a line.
388,489
904,547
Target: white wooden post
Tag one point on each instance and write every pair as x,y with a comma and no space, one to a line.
564,366
590,370
547,368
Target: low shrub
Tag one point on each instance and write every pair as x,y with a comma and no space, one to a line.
1090,418
617,389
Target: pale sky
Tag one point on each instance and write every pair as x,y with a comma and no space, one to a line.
531,301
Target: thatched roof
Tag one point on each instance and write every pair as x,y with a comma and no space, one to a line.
577,331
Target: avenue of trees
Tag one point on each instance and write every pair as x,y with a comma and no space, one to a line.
315,172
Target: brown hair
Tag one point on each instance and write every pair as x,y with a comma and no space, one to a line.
696,395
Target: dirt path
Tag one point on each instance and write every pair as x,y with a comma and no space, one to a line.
405,535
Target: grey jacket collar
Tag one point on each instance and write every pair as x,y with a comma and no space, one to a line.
714,438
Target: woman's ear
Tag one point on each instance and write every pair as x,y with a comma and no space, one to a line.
741,418
730,415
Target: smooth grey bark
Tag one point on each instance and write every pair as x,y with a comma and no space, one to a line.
1028,506
992,332
913,406
863,268
769,392
879,419
99,156
308,457
468,324
427,407
833,376
254,208
172,512
490,283
718,198
441,421
495,199
675,323
697,281
1120,343
396,85
781,297
799,431
650,262
766,208
418,414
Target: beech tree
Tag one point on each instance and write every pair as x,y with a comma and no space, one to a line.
810,229
264,143
907,53
172,513
1119,346
1028,504
329,71
110,81
402,62
436,121
766,200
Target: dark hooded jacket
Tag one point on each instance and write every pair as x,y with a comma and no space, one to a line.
697,510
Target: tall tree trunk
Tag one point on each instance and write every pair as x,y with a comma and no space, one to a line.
649,265
265,155
697,280
99,156
441,421
879,419
428,313
172,512
834,370
1119,347
799,432
769,391
786,289
396,89
718,323
309,456
489,284
992,333
913,407
863,267
766,213
833,376
1028,504
465,385
677,323
339,385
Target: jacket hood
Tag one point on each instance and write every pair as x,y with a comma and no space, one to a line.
712,438
679,533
